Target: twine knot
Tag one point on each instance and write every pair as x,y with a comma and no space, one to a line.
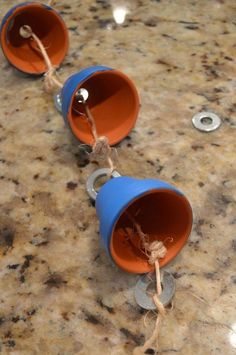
102,150
101,146
51,83
156,250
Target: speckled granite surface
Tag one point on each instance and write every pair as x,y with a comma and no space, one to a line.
59,293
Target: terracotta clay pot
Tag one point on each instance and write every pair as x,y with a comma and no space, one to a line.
162,211
46,23
112,99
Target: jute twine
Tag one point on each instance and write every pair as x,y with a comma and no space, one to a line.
51,2
51,82
101,148
154,251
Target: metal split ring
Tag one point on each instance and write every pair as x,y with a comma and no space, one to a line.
168,290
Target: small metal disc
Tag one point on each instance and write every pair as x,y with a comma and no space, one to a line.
206,121
95,176
57,102
144,300
82,95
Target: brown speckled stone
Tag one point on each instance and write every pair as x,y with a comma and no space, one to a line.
59,291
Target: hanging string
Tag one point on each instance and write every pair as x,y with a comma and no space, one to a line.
154,251
51,82
101,147
153,339
51,2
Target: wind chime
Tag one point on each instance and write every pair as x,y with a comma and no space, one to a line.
144,223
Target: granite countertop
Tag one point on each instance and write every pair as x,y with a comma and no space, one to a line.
59,292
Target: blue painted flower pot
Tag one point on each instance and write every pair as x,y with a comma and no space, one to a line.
112,99
161,210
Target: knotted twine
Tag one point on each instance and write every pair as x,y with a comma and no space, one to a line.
154,251
101,148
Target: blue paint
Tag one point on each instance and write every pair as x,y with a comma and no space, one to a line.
11,11
116,195
10,14
72,84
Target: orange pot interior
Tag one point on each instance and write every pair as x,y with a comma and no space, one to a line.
163,214
114,103
47,25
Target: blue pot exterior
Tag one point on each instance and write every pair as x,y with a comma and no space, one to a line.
72,84
11,11
116,195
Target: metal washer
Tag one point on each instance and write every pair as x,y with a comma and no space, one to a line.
57,102
140,291
197,121
95,176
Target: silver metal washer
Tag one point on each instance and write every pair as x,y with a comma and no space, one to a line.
95,176
198,121
57,102
168,290
82,95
